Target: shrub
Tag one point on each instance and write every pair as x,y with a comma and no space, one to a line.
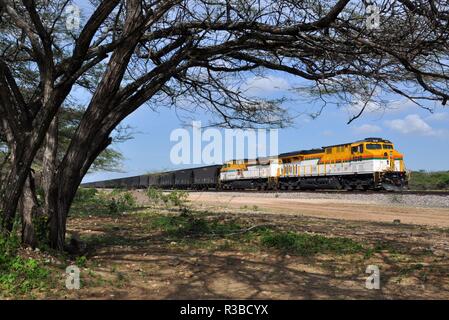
93,202
81,261
154,195
85,195
18,275
193,226
421,180
119,201
307,244
176,198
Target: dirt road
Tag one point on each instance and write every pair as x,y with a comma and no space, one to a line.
327,208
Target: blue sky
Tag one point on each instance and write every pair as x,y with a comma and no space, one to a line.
421,135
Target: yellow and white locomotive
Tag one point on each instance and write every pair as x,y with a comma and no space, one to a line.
372,164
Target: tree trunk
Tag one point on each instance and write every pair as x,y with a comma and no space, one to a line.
49,161
12,191
29,208
65,184
59,211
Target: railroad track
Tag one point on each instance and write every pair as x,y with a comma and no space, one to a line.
368,192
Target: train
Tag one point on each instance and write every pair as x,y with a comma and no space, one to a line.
368,164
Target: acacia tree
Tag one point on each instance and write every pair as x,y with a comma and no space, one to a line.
192,52
30,207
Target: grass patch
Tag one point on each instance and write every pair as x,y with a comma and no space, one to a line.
92,202
305,244
18,275
179,226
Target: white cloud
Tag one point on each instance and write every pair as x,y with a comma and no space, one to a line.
327,133
413,124
377,108
265,85
439,116
367,129
370,107
401,105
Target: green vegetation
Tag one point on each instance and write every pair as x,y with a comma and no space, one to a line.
307,244
176,198
188,225
422,180
94,202
234,233
19,275
81,261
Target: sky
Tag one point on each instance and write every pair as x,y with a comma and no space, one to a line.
422,136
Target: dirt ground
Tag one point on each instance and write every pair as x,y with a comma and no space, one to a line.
130,260
328,208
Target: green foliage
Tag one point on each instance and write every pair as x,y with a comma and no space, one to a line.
307,244
421,180
81,261
176,198
180,226
9,245
119,201
155,195
109,159
18,275
93,202
85,195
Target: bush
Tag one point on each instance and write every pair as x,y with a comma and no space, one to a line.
85,195
176,198
155,195
307,244
81,261
18,275
421,180
181,226
119,201
93,202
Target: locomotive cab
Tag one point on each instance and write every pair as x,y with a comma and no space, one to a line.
387,163
384,150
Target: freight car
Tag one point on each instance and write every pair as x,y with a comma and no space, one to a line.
207,177
372,163
154,180
183,179
167,180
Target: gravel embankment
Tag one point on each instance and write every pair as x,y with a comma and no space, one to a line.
402,200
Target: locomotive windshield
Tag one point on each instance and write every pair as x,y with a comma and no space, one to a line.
388,146
374,146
